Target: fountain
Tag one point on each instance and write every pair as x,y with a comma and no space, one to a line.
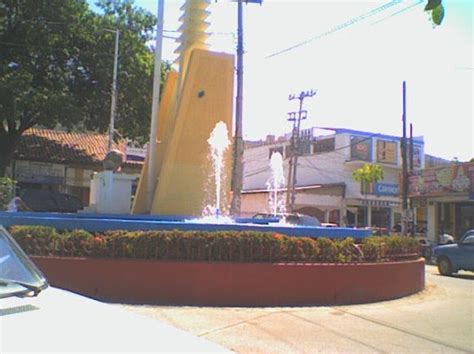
218,143
276,183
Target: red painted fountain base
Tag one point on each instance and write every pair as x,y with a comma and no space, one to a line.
233,284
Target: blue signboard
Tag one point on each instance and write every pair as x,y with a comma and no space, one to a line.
387,189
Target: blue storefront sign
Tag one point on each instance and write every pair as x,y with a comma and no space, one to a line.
387,189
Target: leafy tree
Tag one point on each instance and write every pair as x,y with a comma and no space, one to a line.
367,174
7,192
56,68
437,11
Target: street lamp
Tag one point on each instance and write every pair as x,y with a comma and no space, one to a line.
113,105
152,153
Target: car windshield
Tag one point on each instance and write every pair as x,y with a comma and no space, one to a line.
18,275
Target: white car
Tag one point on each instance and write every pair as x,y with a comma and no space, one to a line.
38,318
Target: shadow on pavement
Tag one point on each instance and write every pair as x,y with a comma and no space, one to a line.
459,276
464,276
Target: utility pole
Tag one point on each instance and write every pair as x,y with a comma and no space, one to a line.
237,167
411,157
411,148
296,118
404,167
113,105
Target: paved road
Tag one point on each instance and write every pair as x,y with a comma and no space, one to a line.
438,319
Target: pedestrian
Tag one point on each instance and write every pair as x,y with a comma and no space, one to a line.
16,204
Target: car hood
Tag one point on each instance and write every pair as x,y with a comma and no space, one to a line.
61,321
445,248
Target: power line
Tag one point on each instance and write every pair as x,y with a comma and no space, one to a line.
399,12
339,27
257,172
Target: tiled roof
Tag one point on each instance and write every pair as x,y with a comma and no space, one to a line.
65,147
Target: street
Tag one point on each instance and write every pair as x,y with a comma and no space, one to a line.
438,319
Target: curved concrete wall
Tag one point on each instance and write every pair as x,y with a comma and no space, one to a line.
234,284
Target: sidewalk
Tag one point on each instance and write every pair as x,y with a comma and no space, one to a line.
438,319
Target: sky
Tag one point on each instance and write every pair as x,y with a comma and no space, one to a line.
357,70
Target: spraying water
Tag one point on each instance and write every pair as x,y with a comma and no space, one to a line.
218,142
276,183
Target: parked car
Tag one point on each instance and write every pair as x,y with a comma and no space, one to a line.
428,245
329,224
291,218
35,317
50,201
451,258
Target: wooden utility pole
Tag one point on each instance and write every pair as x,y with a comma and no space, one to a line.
296,118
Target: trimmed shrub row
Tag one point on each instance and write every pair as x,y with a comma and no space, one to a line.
224,246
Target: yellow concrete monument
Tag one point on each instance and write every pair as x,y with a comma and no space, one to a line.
194,100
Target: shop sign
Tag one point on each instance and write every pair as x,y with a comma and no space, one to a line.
457,178
135,154
418,202
387,189
387,152
374,202
361,148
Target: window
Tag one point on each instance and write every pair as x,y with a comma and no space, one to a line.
324,145
275,149
305,147
387,152
361,148
469,240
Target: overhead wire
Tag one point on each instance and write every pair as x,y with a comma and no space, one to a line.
417,3
339,27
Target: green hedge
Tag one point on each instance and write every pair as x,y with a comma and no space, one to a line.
7,191
226,246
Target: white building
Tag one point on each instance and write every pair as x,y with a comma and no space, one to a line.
324,184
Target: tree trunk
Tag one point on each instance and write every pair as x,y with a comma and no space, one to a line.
8,142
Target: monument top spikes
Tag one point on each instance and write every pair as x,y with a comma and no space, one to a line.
249,1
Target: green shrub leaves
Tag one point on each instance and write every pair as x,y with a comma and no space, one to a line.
222,246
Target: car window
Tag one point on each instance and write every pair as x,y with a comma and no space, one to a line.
469,240
16,267
470,233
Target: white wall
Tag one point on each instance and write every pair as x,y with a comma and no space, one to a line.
325,168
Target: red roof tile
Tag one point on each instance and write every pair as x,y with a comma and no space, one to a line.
65,147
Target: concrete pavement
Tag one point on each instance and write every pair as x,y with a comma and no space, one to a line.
438,319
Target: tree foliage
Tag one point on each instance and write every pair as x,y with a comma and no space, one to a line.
437,11
369,173
56,68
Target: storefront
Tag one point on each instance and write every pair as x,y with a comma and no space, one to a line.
444,197
378,213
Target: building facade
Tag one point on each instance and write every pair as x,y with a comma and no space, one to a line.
325,186
444,198
64,162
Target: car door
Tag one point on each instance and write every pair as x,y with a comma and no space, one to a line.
466,251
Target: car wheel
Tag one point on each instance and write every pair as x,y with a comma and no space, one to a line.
445,267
